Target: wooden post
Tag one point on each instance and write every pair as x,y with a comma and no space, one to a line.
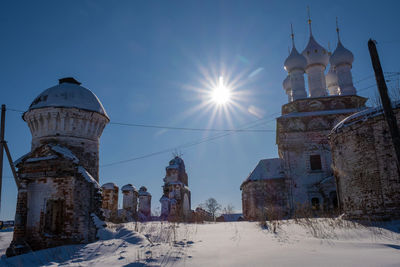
3,118
11,164
386,104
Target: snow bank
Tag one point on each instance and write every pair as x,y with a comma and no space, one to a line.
305,242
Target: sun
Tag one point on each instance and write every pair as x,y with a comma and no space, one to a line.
221,94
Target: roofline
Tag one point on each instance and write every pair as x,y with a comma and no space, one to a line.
56,106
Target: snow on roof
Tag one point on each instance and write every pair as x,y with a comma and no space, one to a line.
175,183
18,161
362,116
164,198
267,169
87,176
174,166
321,112
109,186
176,163
68,94
128,187
143,191
41,158
65,152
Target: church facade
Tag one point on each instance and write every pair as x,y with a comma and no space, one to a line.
301,177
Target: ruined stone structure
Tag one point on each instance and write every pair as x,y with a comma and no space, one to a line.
302,176
130,202
144,212
175,202
364,164
110,201
59,199
267,187
131,197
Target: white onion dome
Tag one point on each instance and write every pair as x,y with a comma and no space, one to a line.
331,77
287,84
295,61
315,53
68,93
341,55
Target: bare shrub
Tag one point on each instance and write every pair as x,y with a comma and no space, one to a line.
271,217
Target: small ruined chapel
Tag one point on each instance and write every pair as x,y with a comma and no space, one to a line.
302,177
59,198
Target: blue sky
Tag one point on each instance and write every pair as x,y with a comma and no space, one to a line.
150,61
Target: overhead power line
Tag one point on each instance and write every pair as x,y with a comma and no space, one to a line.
222,132
187,129
190,144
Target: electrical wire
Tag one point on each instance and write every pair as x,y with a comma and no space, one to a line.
186,145
207,139
187,129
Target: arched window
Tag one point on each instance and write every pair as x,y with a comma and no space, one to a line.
54,217
315,162
315,203
334,200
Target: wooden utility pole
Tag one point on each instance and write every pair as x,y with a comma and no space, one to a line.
3,118
386,104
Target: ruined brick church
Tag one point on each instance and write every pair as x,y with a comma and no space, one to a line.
175,202
302,175
59,198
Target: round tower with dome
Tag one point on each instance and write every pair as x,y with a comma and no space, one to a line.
295,65
59,198
342,60
332,81
69,114
317,60
287,86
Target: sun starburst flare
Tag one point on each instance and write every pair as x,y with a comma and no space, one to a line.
221,94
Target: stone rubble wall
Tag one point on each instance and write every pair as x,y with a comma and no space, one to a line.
258,196
365,169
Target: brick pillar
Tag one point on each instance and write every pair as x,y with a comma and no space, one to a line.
18,244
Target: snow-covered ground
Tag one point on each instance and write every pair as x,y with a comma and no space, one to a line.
316,242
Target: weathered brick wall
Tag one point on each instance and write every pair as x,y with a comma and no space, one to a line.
54,206
77,129
110,201
130,200
365,169
259,195
144,208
